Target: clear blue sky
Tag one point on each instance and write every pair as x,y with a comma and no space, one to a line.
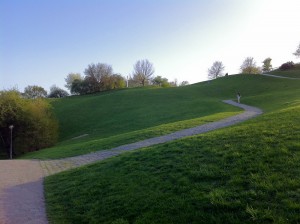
42,41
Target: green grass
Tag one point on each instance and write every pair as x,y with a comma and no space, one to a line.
87,144
242,174
248,173
119,117
292,73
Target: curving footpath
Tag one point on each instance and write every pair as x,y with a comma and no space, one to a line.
280,77
21,181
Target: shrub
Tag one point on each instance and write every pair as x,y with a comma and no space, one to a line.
286,66
33,121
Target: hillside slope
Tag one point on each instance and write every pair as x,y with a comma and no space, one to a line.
242,174
120,117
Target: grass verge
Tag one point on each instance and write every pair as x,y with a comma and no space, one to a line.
242,174
83,146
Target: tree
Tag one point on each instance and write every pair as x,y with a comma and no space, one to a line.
143,71
297,52
117,81
34,124
286,66
98,73
249,66
56,92
184,83
71,78
34,92
86,86
160,81
216,70
267,66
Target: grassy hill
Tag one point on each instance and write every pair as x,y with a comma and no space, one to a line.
292,73
242,174
120,117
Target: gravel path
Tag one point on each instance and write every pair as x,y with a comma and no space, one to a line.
21,181
281,77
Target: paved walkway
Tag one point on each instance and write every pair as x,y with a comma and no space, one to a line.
281,77
21,181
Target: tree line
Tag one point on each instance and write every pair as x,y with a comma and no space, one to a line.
249,66
100,77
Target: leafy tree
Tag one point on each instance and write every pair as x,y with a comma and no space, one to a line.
77,87
116,81
71,78
33,121
286,66
216,70
143,71
297,52
160,81
249,66
56,92
267,66
34,92
98,77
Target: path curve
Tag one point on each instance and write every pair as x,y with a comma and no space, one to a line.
21,181
280,77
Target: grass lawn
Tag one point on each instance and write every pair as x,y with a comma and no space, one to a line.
241,174
86,145
293,73
120,117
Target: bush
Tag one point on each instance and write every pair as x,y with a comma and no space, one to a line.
33,121
286,66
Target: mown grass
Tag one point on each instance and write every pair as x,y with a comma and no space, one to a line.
115,118
292,73
248,173
86,145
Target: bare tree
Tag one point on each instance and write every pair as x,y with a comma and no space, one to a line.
143,71
216,70
297,52
249,66
98,71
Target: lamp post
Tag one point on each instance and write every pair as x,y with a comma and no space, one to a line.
11,131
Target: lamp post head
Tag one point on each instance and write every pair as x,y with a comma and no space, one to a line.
11,127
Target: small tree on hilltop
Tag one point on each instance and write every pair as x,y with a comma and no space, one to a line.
249,66
160,81
97,75
143,71
297,52
216,70
267,65
56,92
34,92
71,78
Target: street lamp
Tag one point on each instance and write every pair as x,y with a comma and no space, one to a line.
11,131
